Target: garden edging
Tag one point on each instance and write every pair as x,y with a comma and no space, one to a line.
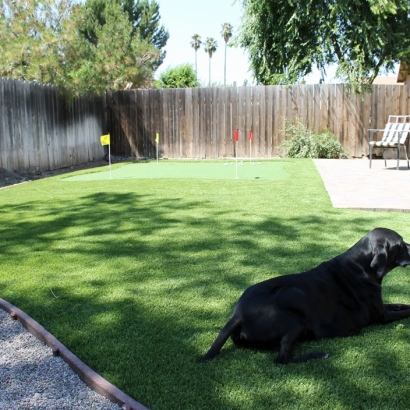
86,374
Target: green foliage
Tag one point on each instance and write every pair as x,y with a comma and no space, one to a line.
210,46
326,145
143,15
114,58
180,76
81,47
226,32
147,273
196,42
301,142
289,38
32,39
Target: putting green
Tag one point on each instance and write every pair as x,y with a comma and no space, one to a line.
257,170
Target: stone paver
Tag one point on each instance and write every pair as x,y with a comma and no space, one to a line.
352,184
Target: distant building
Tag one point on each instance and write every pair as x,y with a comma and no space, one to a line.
401,78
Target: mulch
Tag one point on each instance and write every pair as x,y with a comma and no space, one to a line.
10,178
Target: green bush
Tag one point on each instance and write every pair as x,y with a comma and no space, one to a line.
180,76
301,142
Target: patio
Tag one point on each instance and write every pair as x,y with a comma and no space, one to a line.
351,184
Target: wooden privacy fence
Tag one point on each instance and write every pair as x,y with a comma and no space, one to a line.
39,129
199,122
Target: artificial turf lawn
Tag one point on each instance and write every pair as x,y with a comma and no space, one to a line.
147,273
188,169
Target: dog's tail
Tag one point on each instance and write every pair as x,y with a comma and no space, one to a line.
223,336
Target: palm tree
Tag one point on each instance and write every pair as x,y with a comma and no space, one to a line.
210,47
196,44
226,33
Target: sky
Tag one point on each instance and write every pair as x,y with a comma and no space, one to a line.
184,18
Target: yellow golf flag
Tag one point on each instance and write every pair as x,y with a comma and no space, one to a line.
105,139
157,137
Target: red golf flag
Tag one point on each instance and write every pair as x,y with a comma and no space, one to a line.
236,135
250,138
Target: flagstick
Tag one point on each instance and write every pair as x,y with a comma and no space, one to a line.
236,156
250,154
109,158
157,142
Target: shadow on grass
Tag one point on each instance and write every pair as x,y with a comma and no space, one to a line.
139,286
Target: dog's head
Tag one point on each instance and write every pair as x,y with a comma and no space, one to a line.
387,250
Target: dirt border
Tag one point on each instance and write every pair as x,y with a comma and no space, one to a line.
13,178
86,374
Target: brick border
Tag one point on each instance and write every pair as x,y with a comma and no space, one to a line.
86,374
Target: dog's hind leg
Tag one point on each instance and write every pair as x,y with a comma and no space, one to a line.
223,336
286,346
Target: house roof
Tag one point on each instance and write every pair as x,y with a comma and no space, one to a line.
383,80
401,77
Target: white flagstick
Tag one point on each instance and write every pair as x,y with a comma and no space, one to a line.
236,157
109,158
250,146
236,138
157,141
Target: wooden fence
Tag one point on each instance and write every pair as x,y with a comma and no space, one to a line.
199,122
39,129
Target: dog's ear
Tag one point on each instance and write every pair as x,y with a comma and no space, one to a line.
380,260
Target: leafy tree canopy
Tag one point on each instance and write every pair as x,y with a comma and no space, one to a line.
31,38
180,76
81,47
287,38
117,56
143,15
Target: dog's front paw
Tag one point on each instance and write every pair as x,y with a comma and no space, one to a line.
322,355
319,355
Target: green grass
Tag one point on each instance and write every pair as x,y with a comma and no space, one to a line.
147,272
228,169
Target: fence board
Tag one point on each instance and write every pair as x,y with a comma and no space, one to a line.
261,150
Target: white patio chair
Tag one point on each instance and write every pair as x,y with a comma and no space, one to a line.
395,134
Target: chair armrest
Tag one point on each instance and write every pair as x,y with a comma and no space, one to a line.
372,131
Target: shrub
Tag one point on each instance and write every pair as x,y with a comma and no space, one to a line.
326,145
180,76
301,142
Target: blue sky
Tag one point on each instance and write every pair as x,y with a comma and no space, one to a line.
184,18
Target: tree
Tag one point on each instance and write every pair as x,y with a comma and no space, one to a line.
143,15
196,44
115,57
226,33
32,40
210,47
81,47
180,76
286,39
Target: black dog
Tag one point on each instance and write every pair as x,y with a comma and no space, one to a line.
337,298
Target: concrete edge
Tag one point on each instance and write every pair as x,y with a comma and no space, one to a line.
372,209
86,374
